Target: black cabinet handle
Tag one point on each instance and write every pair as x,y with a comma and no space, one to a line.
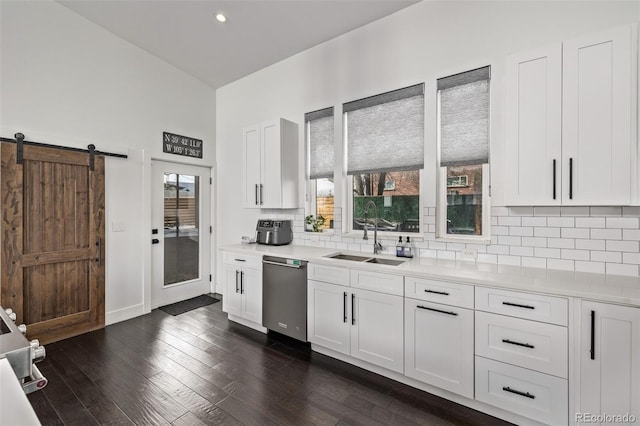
517,392
554,179
256,194
524,345
353,309
261,200
444,293
241,282
344,306
571,178
593,335
437,310
517,305
237,272
240,260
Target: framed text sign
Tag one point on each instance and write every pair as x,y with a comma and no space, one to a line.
181,145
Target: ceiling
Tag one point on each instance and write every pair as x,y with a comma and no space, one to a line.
257,33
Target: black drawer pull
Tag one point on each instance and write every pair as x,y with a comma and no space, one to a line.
344,306
437,310
444,293
517,392
524,345
517,305
240,260
592,349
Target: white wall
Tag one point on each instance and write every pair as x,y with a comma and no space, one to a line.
66,81
418,44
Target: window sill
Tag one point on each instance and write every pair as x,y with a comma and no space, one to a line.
324,232
386,235
464,240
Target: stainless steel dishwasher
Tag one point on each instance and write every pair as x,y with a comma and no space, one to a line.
284,296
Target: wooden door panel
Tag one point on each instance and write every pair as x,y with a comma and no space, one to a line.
52,221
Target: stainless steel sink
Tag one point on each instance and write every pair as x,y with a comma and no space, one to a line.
352,257
381,261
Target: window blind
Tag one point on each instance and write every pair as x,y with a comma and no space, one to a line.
386,132
320,143
464,118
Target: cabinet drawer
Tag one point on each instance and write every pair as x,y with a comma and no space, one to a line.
537,396
328,274
243,260
535,307
374,281
439,291
535,345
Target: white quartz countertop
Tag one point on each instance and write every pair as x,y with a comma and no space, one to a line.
598,287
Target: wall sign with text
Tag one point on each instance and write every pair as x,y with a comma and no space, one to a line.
181,145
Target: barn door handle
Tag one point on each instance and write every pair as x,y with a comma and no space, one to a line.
99,258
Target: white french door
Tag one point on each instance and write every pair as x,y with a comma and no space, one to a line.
181,238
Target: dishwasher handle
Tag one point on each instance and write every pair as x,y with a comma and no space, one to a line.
268,262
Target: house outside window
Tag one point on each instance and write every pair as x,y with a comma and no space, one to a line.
320,162
385,155
463,140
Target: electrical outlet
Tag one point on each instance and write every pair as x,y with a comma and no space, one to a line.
469,254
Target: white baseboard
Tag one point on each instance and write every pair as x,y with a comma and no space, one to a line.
124,314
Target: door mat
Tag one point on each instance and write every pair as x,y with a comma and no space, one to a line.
188,305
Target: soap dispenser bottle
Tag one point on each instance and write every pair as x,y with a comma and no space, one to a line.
408,248
400,248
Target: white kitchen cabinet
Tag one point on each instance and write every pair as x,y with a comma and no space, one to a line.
609,359
534,127
439,345
243,289
571,133
270,161
363,324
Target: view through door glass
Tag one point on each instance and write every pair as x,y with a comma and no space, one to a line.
181,228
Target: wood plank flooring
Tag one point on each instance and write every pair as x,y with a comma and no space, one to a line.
198,368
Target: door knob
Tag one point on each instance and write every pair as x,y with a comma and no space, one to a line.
155,241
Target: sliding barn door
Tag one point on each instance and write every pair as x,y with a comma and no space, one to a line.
52,241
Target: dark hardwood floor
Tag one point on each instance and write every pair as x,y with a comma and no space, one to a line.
199,368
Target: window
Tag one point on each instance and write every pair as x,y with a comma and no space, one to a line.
385,153
463,138
319,131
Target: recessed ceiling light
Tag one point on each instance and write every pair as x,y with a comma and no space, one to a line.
220,17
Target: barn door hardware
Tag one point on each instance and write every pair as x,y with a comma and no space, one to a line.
92,156
19,147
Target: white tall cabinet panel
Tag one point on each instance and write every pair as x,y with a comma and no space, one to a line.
597,114
609,357
439,345
534,129
251,161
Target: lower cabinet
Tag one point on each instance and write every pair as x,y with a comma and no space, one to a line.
243,289
363,324
439,345
609,357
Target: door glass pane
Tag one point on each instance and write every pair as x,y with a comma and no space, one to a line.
181,228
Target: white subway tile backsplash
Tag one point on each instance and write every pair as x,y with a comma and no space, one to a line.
521,251
631,211
534,221
508,260
509,240
534,262
450,255
546,211
575,254
595,267
606,211
575,233
546,232
487,258
437,245
499,211
500,230
632,258
455,246
509,221
524,231
497,249
547,252
480,248
623,222
574,211
534,241
521,211
561,243
606,256
562,222
631,234
429,253
606,234
590,244
621,269
563,265
494,221
590,222
630,246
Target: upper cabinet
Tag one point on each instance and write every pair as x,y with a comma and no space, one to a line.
270,154
571,126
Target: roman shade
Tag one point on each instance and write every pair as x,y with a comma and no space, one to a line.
464,118
386,132
320,136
